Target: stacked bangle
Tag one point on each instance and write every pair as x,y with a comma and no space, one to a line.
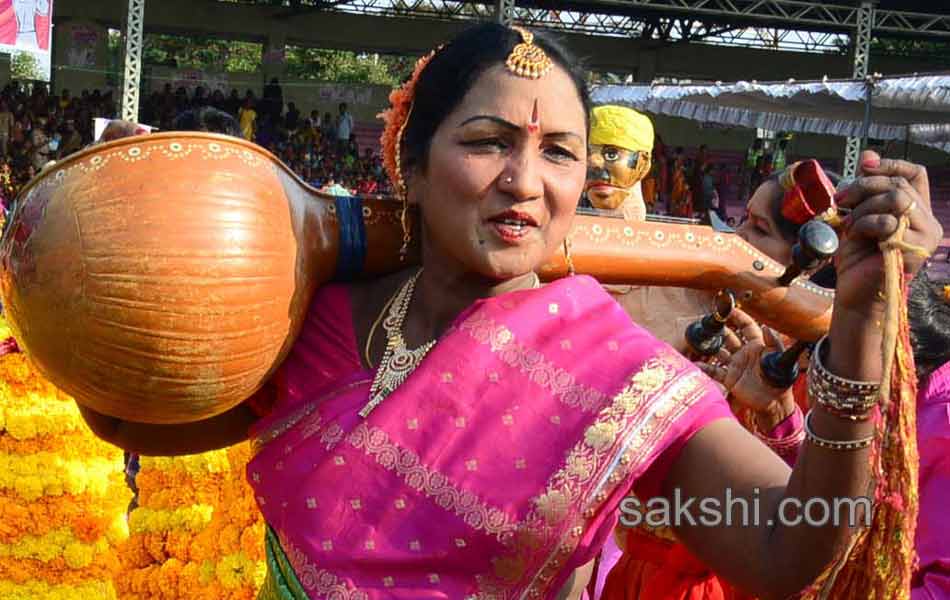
787,445
858,444
844,398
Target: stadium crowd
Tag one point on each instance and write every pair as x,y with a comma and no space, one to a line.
37,127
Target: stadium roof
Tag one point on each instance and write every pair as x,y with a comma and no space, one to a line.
665,19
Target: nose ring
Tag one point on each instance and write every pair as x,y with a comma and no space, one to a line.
509,179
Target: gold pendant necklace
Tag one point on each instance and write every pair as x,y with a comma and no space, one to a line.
398,361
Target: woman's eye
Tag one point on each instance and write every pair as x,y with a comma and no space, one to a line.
560,153
611,155
487,143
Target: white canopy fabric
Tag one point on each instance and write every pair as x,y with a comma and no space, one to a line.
918,106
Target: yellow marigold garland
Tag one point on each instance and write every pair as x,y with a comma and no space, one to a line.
63,497
197,532
190,518
36,589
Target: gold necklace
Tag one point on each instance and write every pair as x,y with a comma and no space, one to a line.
398,361
372,330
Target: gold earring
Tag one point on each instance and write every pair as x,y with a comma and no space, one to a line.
568,258
403,192
406,235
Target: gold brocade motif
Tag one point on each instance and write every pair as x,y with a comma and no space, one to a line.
533,364
287,423
316,580
638,419
406,463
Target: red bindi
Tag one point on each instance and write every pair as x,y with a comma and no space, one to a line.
535,125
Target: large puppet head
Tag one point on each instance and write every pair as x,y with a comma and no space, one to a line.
621,141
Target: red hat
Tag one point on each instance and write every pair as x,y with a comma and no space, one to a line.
808,192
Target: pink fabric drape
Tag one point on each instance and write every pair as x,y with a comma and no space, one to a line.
496,468
932,580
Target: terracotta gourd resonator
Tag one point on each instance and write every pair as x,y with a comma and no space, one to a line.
163,278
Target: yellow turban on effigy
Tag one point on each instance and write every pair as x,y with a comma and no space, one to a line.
622,127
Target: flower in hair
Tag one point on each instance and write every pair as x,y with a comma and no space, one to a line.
395,117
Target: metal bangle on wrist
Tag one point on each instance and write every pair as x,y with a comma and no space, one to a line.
841,445
843,398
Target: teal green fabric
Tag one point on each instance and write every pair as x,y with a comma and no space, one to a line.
281,582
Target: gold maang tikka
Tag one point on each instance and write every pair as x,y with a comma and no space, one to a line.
527,59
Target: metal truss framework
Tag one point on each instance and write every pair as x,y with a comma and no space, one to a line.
661,29
808,25
505,11
132,76
862,50
798,13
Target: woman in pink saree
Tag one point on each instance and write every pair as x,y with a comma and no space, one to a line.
461,432
441,494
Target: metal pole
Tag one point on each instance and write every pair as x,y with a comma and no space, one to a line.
132,77
505,12
866,127
862,51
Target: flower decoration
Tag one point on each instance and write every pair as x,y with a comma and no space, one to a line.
395,119
197,532
63,498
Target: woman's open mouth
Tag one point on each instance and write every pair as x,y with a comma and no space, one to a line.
512,226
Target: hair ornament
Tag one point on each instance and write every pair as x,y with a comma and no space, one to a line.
395,119
528,59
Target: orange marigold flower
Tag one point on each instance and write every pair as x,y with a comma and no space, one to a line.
400,105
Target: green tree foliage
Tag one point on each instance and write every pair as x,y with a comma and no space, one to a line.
347,67
931,54
929,50
340,66
187,52
24,67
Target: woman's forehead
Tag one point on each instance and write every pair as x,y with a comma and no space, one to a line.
500,93
760,204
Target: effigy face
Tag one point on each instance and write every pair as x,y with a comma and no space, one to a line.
611,174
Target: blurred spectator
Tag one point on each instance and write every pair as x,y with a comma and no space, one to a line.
292,118
36,127
327,127
344,126
272,100
6,126
248,119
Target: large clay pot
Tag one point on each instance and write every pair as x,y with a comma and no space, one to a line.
163,278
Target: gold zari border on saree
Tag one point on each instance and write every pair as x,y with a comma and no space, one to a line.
316,580
559,382
407,464
625,433
282,426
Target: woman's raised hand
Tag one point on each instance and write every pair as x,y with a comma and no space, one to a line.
739,373
885,191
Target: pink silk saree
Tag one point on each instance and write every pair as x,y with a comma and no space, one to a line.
494,471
